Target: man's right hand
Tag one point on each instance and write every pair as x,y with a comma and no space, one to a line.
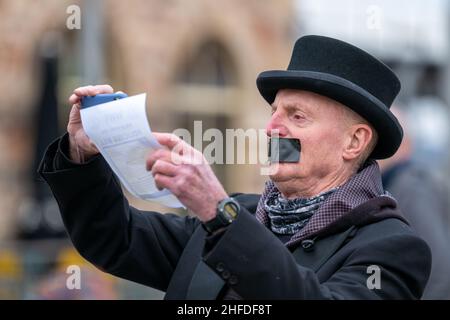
81,148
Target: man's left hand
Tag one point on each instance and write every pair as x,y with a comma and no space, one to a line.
185,172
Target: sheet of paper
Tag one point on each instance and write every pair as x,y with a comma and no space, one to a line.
121,132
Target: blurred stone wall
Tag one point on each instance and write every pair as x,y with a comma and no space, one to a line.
145,44
22,25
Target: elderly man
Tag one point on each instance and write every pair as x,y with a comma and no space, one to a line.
323,228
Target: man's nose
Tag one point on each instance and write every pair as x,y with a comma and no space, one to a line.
276,126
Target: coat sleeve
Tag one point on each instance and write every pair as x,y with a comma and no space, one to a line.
140,246
256,265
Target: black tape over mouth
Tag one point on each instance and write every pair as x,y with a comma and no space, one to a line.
284,150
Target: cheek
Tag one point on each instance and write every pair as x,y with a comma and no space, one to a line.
312,144
322,146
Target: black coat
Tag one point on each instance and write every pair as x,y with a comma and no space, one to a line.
167,251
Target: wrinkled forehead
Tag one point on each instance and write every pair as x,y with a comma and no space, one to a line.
308,101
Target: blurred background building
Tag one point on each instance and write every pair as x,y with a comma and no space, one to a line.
196,60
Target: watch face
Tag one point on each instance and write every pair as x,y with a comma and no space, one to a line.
231,210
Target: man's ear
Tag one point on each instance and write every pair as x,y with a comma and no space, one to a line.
359,137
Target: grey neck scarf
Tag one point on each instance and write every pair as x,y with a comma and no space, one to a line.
287,216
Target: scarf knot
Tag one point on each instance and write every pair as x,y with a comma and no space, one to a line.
361,187
288,216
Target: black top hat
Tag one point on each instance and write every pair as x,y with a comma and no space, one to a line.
347,74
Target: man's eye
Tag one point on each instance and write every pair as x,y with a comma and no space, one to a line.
298,117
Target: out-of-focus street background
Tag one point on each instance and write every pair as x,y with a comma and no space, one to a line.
198,60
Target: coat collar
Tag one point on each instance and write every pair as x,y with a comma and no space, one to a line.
360,189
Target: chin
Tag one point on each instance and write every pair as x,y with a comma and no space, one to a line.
280,172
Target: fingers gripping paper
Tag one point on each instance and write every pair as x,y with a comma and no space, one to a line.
121,132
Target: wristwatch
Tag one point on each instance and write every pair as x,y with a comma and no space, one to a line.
227,212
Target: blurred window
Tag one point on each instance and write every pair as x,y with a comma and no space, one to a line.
206,90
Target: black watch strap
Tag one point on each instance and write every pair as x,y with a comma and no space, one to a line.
227,212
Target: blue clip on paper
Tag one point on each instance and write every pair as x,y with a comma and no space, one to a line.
90,101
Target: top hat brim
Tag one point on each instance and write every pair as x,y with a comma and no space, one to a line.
389,131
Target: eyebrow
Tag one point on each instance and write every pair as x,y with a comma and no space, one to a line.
293,106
